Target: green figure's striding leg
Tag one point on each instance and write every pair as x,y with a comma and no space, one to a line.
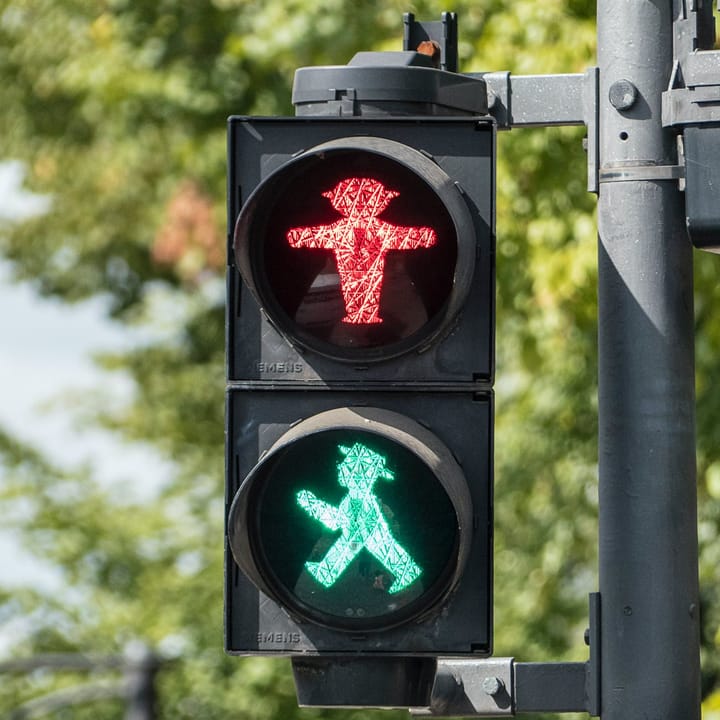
394,557
335,562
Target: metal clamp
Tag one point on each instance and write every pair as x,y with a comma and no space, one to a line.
635,172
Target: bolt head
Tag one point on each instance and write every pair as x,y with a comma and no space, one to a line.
492,686
622,94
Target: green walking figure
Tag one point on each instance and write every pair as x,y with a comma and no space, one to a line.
360,520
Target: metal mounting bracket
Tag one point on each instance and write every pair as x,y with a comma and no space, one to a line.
548,100
472,687
500,687
693,94
443,34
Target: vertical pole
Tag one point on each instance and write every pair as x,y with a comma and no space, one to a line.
141,668
648,527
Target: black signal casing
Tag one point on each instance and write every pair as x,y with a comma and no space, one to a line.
444,383
702,180
462,623
462,353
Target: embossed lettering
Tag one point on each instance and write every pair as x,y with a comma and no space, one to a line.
291,638
280,367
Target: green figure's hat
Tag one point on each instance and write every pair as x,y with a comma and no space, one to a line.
372,458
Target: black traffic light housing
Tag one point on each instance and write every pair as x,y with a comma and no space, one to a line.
360,362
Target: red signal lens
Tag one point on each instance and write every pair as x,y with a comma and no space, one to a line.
360,240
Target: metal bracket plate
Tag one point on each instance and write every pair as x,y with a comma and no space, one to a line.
500,687
472,687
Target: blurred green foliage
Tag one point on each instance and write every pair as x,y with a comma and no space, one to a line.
118,109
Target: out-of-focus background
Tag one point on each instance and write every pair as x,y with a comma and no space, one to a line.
112,252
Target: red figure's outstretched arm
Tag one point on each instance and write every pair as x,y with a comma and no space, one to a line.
406,238
320,236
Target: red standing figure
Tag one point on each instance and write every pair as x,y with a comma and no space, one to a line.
360,241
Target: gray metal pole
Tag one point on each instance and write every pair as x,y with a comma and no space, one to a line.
648,528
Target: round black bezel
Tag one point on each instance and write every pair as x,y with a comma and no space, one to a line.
439,278
391,430
264,495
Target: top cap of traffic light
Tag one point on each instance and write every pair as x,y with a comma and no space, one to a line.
359,249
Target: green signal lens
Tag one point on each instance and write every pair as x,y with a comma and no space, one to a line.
352,529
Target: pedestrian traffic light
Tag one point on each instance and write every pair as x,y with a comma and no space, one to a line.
359,405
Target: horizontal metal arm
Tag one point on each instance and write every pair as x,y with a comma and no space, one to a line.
62,661
517,101
500,687
540,100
